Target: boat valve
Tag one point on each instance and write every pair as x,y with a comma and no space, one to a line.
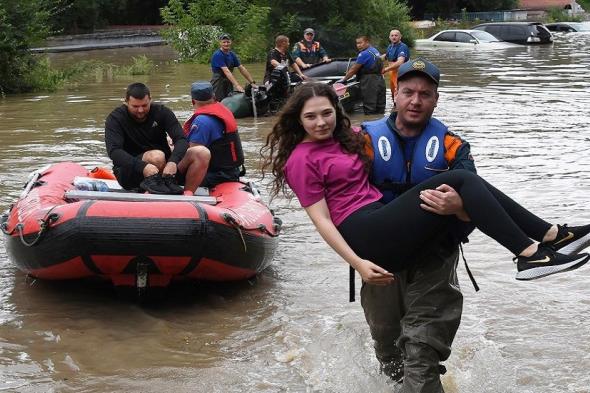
142,276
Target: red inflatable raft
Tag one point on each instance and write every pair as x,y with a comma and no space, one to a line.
55,231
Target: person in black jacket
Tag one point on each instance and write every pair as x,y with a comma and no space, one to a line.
136,138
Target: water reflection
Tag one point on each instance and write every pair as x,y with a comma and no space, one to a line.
525,113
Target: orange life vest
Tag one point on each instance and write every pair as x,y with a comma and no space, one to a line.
226,152
218,110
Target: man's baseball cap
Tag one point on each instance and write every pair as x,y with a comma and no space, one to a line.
201,91
224,36
419,65
308,30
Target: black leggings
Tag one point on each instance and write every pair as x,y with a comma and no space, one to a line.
392,235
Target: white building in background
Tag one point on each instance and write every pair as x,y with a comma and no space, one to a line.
538,8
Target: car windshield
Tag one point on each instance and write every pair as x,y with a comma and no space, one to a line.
484,36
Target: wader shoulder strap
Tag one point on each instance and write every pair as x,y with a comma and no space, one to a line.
351,290
475,286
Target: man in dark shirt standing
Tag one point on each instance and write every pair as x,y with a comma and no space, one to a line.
136,140
280,55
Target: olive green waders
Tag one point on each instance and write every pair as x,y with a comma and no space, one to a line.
413,321
222,87
373,93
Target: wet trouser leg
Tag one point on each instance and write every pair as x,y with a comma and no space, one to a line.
393,82
222,87
373,93
417,316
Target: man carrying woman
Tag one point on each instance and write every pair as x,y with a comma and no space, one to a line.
313,150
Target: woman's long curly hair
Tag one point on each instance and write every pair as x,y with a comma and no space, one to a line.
288,132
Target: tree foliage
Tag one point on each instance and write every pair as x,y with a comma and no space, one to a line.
22,24
339,22
195,25
86,16
447,7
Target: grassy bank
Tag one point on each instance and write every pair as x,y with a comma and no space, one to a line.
43,76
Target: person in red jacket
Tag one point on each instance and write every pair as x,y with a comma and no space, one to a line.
213,131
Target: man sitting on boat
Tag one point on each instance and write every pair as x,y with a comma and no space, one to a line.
308,52
136,140
213,131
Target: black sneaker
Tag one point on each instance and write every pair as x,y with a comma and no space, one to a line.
547,261
170,182
571,240
154,184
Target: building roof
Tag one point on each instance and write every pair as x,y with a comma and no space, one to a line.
544,4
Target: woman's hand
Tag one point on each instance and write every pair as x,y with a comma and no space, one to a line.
374,274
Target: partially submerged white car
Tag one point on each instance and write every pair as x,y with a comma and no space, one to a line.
463,39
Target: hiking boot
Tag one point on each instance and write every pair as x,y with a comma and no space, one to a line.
170,182
572,240
547,261
394,369
154,184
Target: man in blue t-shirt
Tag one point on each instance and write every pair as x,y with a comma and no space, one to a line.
397,54
367,69
223,61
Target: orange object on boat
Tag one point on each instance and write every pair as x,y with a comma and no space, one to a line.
101,173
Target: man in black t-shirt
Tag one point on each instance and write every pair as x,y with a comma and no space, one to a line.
280,55
136,140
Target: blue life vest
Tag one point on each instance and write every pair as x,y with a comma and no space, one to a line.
390,173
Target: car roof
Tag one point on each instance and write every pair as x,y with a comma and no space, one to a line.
563,23
461,30
509,23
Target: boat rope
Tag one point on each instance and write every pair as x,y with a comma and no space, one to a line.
44,225
277,224
234,223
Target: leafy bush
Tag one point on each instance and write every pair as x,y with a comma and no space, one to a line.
22,24
141,65
194,28
41,77
556,14
338,23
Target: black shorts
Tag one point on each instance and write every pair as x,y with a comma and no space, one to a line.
130,180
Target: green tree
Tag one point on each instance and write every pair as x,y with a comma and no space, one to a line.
195,25
447,7
80,16
339,22
22,24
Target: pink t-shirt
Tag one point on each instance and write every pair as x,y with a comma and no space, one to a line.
317,170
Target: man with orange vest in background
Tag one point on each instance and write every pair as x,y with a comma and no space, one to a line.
213,130
308,52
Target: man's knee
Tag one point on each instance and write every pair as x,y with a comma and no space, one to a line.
155,157
198,154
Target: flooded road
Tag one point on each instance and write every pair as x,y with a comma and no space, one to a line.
525,113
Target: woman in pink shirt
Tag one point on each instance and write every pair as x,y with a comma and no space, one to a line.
314,151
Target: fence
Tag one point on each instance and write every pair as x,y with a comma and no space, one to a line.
495,16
